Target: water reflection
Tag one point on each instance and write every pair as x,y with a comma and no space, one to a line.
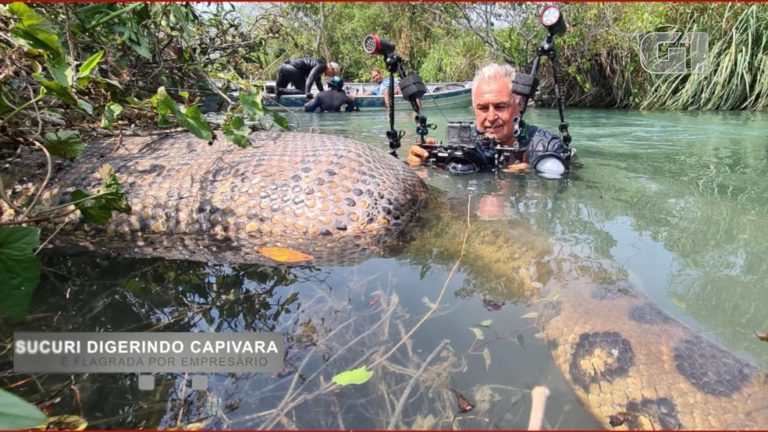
673,202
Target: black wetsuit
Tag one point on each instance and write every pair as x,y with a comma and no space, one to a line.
331,101
540,142
300,72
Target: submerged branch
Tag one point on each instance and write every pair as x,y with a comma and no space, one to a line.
404,396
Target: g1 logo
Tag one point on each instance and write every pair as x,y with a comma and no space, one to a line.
684,46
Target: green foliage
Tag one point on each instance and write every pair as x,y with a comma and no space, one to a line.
98,208
189,117
21,272
251,109
66,144
236,130
35,32
737,77
111,111
16,413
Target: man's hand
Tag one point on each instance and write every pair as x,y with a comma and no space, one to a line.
416,156
516,168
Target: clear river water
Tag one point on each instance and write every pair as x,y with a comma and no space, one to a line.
674,202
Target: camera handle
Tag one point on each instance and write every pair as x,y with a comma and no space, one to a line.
530,83
412,89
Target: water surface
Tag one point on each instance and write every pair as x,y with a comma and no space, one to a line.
674,202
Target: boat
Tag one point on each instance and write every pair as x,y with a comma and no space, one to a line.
439,95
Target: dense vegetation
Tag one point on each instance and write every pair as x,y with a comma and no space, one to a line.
600,52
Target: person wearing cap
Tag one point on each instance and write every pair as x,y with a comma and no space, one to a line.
332,100
302,73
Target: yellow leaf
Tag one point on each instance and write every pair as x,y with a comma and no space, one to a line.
284,255
478,333
64,422
487,358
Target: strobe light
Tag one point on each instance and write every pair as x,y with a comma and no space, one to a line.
552,19
373,44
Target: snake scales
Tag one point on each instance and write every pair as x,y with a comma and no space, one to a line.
623,355
330,197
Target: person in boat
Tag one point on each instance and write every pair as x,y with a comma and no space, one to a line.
332,100
495,107
382,84
302,73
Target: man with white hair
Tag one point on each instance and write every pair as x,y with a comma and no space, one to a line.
496,107
302,73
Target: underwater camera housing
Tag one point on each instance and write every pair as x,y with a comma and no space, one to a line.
465,151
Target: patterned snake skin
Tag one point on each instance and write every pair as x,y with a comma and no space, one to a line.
339,201
626,357
333,198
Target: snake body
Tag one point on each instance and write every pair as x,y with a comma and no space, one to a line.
332,198
638,368
338,200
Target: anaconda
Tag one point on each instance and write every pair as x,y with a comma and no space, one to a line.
632,363
338,200
332,198
627,360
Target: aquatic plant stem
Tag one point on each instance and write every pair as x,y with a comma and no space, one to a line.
539,394
404,396
48,173
436,304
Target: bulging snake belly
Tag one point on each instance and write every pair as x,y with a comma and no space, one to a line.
333,198
339,201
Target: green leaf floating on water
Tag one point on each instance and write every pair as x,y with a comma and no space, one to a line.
16,413
486,323
355,376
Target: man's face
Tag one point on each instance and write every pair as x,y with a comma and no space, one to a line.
495,106
376,77
330,71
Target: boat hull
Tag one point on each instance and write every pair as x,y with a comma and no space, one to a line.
442,96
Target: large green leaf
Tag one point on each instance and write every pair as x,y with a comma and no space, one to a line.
66,144
34,31
236,130
62,92
280,120
19,270
16,413
99,209
57,67
111,112
251,102
192,119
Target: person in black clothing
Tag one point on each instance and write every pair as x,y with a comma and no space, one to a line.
333,99
302,72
